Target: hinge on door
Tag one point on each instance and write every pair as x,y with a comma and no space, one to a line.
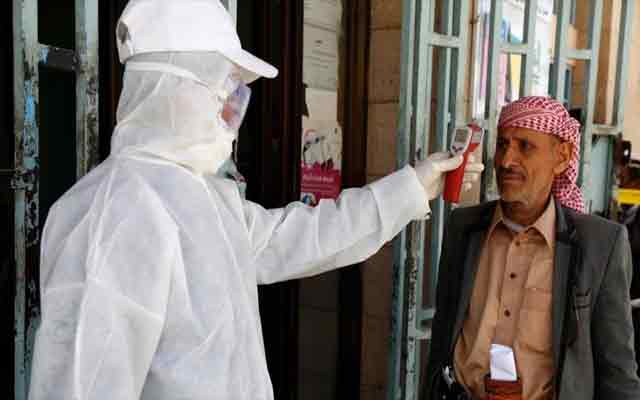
18,179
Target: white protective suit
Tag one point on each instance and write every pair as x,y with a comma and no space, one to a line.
150,263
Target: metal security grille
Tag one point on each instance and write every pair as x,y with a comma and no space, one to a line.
29,56
496,47
419,40
411,317
593,136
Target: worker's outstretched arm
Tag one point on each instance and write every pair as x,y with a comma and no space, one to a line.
300,241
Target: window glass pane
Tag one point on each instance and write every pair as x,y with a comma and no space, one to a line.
513,21
512,30
510,78
544,46
444,22
576,85
574,8
481,57
579,18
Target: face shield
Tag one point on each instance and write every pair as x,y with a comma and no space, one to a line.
235,103
234,95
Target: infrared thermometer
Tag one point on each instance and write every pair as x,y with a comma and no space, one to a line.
465,141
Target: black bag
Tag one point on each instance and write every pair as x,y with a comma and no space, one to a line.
445,386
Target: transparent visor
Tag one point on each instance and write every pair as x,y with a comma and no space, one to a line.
235,105
235,95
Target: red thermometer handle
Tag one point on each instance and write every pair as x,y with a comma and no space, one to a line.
453,180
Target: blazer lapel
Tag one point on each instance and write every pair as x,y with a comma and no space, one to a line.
475,236
560,278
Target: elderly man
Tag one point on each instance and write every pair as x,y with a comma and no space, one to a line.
536,275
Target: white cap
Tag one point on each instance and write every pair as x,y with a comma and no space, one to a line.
151,26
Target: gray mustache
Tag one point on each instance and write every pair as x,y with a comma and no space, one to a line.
510,171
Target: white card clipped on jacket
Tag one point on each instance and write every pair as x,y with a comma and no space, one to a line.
503,363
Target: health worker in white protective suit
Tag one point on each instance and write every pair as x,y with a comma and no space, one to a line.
150,263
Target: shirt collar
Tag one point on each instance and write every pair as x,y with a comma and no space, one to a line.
545,224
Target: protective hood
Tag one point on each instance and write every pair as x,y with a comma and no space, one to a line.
171,108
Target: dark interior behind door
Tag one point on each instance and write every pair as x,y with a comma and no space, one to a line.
269,158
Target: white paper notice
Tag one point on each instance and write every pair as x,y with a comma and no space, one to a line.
322,104
503,363
320,58
325,14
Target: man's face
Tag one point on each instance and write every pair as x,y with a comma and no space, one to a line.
526,163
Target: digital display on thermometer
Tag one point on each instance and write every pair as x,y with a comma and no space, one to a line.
465,140
461,141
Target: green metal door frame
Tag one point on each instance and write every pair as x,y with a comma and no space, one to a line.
562,55
610,132
29,55
589,55
410,320
497,47
418,42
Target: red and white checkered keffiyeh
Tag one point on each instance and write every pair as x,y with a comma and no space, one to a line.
546,115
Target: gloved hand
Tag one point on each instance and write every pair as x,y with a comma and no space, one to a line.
440,162
431,172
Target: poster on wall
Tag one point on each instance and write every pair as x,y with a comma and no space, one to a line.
321,160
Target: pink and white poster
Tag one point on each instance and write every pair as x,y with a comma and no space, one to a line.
321,161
